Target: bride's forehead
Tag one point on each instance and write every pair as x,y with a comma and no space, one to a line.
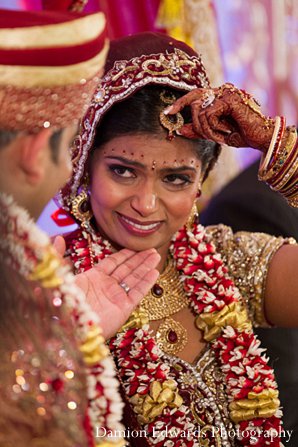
153,159
147,147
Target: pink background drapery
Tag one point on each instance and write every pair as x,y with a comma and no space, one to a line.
258,41
129,17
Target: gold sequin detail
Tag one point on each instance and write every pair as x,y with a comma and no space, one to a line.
247,256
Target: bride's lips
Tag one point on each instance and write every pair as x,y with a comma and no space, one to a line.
138,228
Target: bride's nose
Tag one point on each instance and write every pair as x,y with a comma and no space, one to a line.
145,200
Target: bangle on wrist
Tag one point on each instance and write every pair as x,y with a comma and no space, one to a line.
281,159
274,144
279,167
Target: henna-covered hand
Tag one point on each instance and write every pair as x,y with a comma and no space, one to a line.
225,115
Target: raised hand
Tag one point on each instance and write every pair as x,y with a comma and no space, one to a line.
116,285
225,115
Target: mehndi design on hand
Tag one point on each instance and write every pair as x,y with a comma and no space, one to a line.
233,117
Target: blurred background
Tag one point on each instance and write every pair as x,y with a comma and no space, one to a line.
251,43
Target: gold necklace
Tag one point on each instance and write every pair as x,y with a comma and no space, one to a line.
166,298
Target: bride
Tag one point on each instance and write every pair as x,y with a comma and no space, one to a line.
192,371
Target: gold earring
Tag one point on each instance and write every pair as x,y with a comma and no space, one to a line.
81,208
193,216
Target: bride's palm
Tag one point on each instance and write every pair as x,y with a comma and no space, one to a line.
107,297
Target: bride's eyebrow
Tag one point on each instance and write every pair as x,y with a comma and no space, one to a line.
178,169
137,164
127,161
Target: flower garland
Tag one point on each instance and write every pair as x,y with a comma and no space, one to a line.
147,377
250,384
30,252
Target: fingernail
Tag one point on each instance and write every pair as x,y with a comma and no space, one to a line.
168,110
178,132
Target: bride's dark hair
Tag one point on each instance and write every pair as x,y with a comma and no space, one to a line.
139,114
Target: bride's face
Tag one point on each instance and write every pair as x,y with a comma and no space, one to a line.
143,188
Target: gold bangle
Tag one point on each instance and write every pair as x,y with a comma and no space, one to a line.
265,159
282,157
293,202
288,174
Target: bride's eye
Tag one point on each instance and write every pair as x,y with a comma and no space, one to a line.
178,179
122,171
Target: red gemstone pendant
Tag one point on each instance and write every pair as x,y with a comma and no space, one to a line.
172,336
157,290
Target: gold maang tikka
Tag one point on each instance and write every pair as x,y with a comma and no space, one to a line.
170,122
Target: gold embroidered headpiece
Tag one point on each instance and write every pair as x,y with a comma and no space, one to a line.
49,67
132,63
